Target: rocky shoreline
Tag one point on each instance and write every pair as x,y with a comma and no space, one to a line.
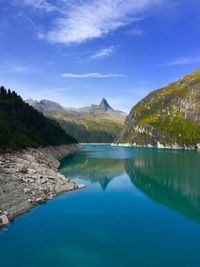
31,177
159,145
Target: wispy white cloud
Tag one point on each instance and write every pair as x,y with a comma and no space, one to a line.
80,21
91,75
42,5
105,52
184,61
12,68
19,69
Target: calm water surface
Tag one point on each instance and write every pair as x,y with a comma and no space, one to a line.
141,207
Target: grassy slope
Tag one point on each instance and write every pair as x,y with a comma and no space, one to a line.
99,129
171,113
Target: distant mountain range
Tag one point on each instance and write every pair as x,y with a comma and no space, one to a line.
91,124
45,105
94,110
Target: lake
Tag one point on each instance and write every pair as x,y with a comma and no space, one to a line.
140,207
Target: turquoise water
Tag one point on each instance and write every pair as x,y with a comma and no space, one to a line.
141,207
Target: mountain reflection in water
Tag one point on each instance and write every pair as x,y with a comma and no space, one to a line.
101,170
169,177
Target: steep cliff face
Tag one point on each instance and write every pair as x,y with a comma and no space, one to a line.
168,117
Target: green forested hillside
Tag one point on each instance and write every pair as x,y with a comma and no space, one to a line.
22,126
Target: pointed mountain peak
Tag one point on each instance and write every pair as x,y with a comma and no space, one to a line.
104,105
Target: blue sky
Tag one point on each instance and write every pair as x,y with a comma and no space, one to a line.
76,52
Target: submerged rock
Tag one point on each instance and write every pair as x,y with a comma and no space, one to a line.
4,219
80,186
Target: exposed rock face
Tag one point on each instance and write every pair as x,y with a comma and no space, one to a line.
168,117
104,105
30,177
103,109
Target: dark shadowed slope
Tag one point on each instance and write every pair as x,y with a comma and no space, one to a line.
22,126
